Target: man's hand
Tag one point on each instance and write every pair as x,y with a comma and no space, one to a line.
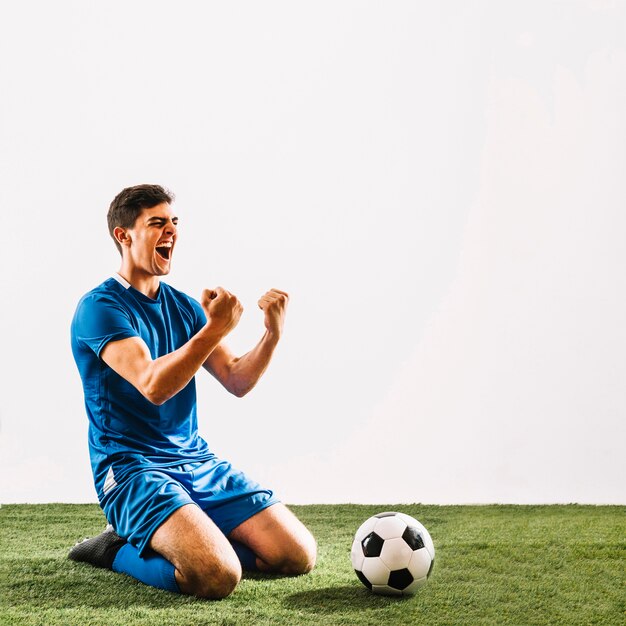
222,309
240,374
274,305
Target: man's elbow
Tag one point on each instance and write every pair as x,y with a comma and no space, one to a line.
240,388
154,394
239,392
155,397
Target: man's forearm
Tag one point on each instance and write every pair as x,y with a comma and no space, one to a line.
169,374
246,370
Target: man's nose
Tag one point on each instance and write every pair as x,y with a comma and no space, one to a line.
170,228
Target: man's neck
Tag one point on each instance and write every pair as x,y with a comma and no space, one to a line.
147,284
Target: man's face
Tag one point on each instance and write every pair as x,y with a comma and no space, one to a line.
150,242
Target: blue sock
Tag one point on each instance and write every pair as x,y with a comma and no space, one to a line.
151,569
246,556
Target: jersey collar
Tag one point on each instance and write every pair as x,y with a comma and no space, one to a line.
122,281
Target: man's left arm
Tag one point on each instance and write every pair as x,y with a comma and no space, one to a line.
240,374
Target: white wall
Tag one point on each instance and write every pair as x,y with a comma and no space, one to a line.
439,186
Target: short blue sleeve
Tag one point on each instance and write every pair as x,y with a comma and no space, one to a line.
100,319
198,314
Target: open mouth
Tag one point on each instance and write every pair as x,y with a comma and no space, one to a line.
165,250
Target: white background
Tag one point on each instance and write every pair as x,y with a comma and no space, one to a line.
440,186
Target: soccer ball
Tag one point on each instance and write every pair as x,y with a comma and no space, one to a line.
392,553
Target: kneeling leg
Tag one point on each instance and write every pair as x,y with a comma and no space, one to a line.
205,563
279,540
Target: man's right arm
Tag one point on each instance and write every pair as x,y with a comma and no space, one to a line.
160,379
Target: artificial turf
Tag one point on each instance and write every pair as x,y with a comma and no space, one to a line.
494,565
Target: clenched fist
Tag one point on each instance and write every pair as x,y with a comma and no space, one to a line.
222,309
274,304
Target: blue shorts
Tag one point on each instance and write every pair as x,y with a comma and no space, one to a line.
139,504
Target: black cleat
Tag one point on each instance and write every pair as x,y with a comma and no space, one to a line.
99,551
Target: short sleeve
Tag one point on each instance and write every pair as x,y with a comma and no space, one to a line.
198,314
99,319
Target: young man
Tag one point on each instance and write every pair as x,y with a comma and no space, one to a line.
184,520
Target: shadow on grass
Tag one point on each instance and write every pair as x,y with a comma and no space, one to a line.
340,600
67,585
62,584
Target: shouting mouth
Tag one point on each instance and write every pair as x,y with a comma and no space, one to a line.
165,250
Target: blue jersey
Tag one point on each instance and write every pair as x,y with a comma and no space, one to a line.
126,430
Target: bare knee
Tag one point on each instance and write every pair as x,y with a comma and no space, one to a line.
281,542
205,563
211,584
297,566
299,560
304,560
219,587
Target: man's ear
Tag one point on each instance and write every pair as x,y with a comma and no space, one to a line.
122,236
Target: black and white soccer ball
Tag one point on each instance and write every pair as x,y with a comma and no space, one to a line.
392,553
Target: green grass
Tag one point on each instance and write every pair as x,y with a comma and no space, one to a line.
495,565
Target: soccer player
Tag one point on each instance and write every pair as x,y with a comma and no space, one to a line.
179,517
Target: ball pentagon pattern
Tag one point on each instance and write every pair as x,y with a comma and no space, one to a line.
372,545
400,579
392,553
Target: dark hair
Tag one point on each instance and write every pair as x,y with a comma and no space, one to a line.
130,202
